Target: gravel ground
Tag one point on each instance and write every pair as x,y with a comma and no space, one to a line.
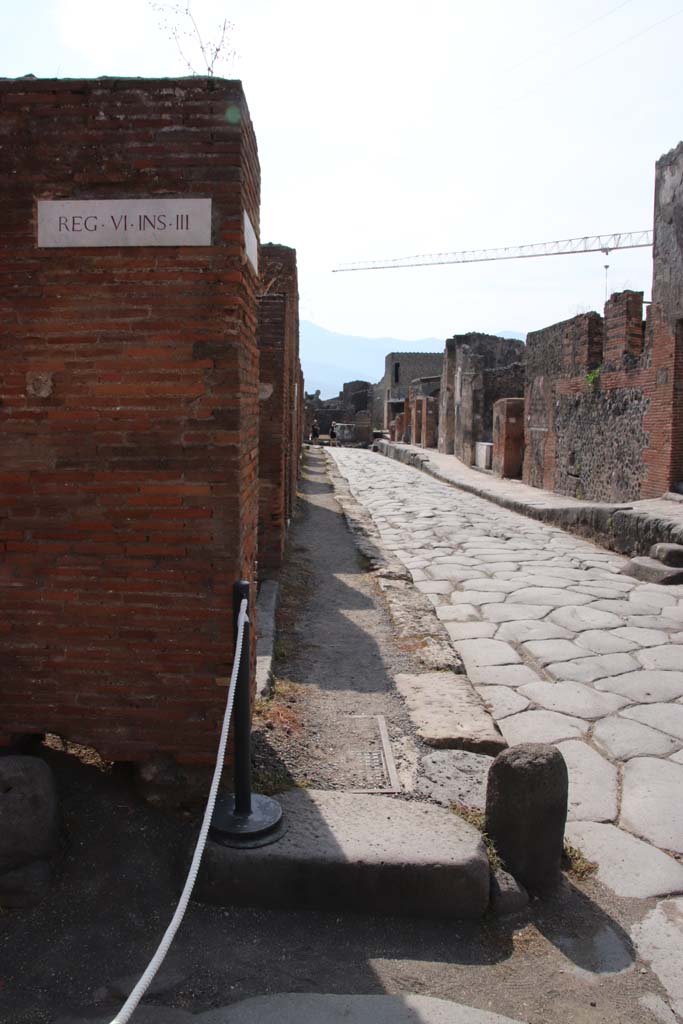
336,655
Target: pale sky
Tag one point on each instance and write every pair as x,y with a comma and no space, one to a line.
388,128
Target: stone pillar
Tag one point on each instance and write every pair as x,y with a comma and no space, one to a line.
129,409
526,811
446,440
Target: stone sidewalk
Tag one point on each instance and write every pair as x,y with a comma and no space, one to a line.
564,650
628,527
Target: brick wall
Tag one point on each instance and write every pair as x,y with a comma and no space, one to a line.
129,417
280,406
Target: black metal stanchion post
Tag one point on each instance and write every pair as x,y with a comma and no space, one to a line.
243,818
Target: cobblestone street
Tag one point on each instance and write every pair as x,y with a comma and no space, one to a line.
563,649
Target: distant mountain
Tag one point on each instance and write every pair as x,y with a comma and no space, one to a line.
330,359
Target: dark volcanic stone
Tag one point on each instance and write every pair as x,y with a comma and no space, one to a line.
526,811
25,886
669,554
29,819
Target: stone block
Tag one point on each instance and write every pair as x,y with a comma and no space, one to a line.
668,554
652,571
29,811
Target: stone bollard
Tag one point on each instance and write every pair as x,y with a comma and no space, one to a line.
526,810
29,830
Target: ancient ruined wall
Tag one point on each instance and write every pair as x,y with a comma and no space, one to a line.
600,404
279,440
486,368
129,416
667,286
667,283
400,368
446,440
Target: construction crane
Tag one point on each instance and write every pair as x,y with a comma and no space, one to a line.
589,243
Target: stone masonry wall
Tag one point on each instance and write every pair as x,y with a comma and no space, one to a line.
446,440
599,421
129,417
486,368
410,365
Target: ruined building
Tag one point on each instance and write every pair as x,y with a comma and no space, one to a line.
604,395
400,369
478,369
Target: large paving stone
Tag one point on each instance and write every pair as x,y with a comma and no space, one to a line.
508,612
447,712
653,596
651,801
592,783
541,727
577,619
487,652
443,587
659,940
643,637
502,675
472,630
351,851
455,777
668,718
477,597
628,866
604,641
461,613
623,739
586,670
503,700
646,686
573,699
546,651
551,596
669,656
488,584
624,607
530,629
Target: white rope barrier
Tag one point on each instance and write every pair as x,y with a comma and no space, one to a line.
130,1005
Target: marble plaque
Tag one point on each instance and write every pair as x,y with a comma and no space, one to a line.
98,223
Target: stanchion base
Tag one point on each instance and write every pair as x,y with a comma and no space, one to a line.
263,826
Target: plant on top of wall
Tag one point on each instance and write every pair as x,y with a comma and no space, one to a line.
593,378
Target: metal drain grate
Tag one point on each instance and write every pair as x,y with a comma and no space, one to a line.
368,754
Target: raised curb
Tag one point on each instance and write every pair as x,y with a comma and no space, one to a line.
317,1008
356,852
618,526
266,606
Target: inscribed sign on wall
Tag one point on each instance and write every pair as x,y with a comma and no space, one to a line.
90,223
